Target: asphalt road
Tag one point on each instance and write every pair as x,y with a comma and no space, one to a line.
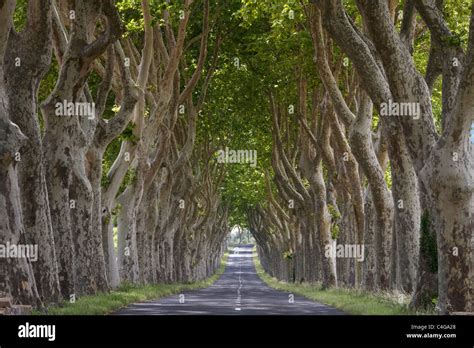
239,291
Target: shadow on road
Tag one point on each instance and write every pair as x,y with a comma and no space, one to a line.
239,291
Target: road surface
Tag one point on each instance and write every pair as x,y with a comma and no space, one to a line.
239,291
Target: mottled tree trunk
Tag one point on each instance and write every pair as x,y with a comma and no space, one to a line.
16,275
22,83
127,237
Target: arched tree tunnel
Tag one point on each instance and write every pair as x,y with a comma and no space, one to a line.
137,136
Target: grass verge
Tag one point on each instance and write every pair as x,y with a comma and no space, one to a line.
351,301
106,303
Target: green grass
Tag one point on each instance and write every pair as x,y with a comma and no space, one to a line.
351,301
106,303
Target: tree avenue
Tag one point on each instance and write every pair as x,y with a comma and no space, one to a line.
136,134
